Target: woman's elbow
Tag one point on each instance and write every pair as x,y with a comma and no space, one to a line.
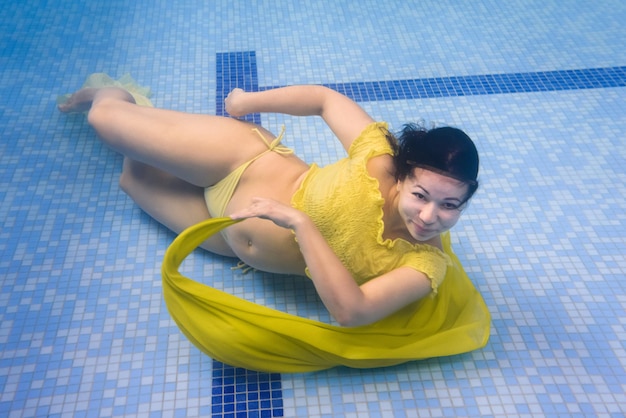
345,321
351,318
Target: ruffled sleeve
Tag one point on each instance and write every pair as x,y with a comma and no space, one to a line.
430,261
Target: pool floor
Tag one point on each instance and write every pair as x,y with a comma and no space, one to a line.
539,85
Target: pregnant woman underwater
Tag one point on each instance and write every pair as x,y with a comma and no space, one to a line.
370,230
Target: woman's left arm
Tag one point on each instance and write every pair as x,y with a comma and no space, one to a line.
349,303
342,115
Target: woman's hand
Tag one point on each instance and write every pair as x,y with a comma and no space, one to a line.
234,101
282,215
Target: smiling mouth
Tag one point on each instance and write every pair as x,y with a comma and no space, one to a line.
421,230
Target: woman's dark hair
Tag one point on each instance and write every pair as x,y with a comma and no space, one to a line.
446,150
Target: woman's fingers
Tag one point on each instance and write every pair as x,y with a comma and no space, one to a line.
282,215
231,102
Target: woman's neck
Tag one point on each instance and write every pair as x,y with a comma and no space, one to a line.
394,224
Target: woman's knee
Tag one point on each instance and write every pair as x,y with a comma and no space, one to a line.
132,177
127,181
105,103
139,178
101,112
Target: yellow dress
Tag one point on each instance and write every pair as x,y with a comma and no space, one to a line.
346,206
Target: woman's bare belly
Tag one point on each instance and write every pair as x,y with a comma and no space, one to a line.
258,242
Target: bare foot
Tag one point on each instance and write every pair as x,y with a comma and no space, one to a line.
79,101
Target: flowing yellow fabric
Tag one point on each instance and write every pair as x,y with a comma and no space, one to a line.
244,334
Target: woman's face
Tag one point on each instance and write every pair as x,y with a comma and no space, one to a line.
430,203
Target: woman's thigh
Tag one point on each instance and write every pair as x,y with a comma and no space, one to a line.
200,149
171,201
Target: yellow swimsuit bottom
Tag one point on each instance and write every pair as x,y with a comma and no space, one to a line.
244,334
218,195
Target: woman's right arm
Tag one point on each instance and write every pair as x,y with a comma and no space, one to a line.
349,303
342,115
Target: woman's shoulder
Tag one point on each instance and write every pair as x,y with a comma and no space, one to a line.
375,126
374,130
373,138
381,168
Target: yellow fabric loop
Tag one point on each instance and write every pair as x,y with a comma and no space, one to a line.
244,334
275,145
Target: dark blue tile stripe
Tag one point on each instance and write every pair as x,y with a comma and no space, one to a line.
235,69
421,88
237,392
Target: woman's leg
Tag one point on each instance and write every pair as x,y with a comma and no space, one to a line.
198,149
169,200
170,156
